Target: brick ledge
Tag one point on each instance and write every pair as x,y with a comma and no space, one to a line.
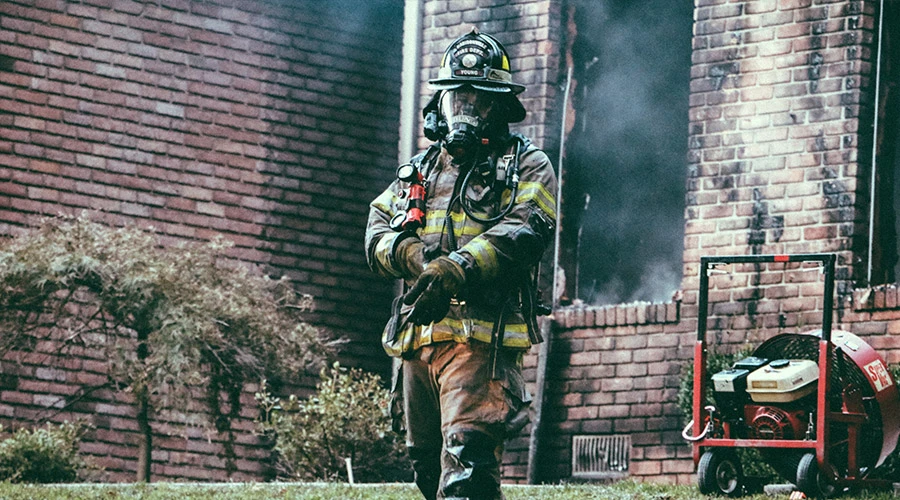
877,298
635,313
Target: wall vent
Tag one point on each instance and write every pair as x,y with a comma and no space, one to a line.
600,457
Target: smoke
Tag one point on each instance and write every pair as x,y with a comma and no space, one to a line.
623,220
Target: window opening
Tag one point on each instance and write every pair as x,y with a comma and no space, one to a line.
884,264
624,182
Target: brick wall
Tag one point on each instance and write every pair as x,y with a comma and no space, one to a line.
273,123
613,370
780,95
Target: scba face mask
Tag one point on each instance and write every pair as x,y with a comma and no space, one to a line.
467,112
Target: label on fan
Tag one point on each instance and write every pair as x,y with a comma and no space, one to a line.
879,375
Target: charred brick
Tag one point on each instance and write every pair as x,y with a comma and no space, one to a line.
7,63
833,187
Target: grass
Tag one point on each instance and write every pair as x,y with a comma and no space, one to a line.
625,490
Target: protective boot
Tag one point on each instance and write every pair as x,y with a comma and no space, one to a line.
471,466
426,464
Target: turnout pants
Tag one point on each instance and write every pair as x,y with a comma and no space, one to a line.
457,417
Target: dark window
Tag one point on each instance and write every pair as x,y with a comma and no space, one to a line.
885,265
625,169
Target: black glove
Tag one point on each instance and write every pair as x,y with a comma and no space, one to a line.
410,257
431,293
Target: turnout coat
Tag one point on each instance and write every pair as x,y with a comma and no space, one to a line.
498,257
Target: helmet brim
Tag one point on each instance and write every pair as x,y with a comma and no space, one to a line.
479,84
514,109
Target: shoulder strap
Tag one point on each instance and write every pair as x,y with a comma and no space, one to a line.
426,159
524,141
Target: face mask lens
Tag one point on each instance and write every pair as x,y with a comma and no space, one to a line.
465,111
466,103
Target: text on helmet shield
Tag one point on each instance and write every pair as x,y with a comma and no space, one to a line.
471,50
470,42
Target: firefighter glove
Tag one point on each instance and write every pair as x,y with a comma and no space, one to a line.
430,295
410,257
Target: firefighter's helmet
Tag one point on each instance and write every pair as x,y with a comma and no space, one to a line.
481,61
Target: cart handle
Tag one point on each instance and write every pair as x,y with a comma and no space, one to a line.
827,259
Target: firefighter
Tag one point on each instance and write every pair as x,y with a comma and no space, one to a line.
467,254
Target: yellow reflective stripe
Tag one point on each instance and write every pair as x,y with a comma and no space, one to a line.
414,337
537,192
386,202
480,324
383,253
434,224
434,221
484,253
453,329
436,217
405,341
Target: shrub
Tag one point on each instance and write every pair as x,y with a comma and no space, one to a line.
347,417
43,455
186,306
167,319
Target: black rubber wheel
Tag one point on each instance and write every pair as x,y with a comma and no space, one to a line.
719,473
810,480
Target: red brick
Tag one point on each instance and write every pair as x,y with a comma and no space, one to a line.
821,232
645,468
15,397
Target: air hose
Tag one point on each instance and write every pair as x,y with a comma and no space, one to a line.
686,433
511,178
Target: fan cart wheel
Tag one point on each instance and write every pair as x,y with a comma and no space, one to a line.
810,480
719,473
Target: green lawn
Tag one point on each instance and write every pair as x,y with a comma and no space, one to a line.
626,490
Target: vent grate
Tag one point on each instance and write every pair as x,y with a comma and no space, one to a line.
600,457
